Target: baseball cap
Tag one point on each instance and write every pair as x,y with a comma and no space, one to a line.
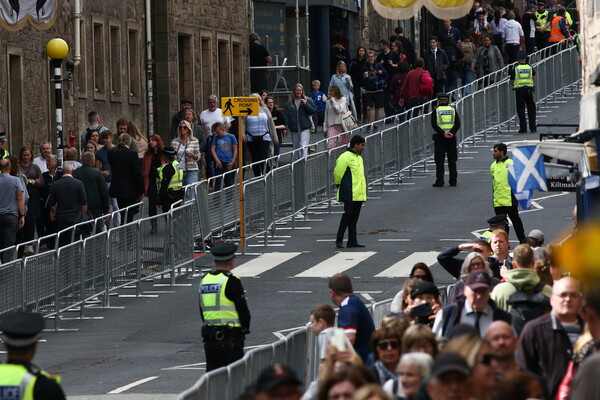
537,235
424,288
275,375
479,279
450,362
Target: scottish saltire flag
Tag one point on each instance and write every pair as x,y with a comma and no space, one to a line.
526,174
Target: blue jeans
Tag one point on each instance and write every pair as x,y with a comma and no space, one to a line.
467,79
190,177
451,80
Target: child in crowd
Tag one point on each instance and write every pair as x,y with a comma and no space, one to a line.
319,98
224,150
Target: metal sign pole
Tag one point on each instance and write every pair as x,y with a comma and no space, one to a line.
241,182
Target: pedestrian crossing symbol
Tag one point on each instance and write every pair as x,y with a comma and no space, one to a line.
239,106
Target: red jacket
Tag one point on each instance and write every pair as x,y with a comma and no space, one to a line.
412,82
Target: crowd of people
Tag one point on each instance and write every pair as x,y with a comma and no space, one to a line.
512,328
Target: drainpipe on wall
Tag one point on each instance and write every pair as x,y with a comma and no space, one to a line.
149,72
77,31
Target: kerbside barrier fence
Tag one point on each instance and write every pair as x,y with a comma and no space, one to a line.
397,148
56,280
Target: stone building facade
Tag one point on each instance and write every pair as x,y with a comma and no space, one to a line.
198,49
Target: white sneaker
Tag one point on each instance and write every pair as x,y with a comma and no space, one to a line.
28,250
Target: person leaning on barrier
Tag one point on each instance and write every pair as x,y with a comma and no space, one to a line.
223,309
445,122
19,378
169,180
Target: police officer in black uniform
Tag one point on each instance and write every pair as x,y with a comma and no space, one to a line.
3,152
445,122
19,378
223,309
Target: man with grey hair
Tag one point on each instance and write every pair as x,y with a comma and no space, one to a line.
45,151
259,57
207,118
66,200
94,183
127,182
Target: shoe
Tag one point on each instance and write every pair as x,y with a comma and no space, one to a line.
28,250
354,245
522,132
339,245
437,184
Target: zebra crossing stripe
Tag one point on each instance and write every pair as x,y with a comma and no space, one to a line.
263,263
336,264
402,268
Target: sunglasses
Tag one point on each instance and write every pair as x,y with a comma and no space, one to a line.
422,277
486,359
183,127
394,344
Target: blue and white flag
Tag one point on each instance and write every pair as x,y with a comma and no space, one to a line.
526,174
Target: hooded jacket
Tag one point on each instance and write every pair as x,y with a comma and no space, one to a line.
516,279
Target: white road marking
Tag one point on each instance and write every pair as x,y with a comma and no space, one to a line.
295,291
335,264
196,366
136,383
263,263
367,297
325,240
175,285
403,267
279,335
158,291
298,227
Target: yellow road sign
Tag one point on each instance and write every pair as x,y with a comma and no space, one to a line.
239,106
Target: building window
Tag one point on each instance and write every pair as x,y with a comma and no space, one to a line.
99,59
184,46
207,89
237,68
134,65
115,63
15,101
223,68
80,71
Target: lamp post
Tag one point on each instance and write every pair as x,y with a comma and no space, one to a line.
57,49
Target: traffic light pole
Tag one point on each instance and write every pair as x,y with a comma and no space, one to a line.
57,79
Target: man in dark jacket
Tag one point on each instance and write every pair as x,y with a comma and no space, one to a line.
436,62
349,177
66,200
127,181
373,80
476,309
94,183
546,344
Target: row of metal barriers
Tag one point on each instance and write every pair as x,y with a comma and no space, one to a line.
56,280
286,192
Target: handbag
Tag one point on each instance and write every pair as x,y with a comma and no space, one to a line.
349,122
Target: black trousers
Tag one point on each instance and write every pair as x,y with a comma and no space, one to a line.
524,96
349,220
511,51
445,148
259,149
220,353
513,214
530,45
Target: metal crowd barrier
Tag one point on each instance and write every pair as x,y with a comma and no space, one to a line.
288,191
64,279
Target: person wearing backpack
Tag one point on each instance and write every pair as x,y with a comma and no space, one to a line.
522,293
412,93
454,54
468,49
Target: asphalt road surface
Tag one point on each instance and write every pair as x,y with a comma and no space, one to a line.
150,347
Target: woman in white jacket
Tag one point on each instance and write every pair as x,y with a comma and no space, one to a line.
334,110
